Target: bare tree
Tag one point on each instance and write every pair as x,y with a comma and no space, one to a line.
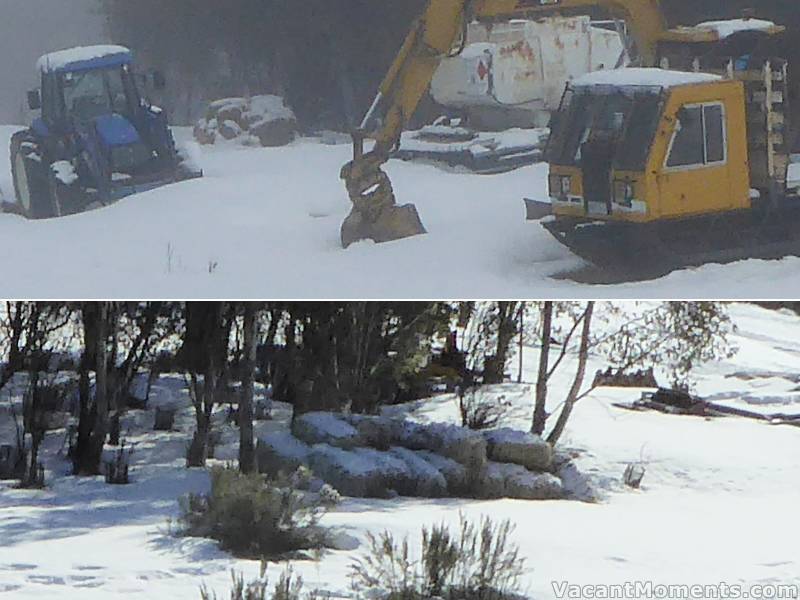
540,409
577,382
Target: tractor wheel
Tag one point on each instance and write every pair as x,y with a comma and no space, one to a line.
30,174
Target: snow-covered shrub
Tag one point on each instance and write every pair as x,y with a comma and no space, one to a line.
328,496
477,562
479,411
252,516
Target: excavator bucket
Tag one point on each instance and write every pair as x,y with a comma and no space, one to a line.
375,214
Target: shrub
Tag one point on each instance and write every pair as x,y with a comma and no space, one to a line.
479,412
478,563
288,587
252,516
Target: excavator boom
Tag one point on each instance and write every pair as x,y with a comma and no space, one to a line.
437,34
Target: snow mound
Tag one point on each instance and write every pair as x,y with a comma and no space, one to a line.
643,77
57,61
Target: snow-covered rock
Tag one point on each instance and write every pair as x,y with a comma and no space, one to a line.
326,428
260,120
351,473
464,446
428,481
377,431
504,480
281,452
519,447
454,473
230,129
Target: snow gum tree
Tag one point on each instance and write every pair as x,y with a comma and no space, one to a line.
674,337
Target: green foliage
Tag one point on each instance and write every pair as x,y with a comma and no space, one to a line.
675,336
479,562
251,516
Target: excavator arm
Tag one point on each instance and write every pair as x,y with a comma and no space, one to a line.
436,35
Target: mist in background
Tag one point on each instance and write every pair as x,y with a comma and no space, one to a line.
30,28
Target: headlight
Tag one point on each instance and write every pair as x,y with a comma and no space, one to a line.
566,186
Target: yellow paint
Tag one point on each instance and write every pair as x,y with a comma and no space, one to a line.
672,193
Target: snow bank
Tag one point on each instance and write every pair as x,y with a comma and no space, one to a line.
642,77
56,61
729,27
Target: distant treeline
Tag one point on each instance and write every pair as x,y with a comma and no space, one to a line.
325,56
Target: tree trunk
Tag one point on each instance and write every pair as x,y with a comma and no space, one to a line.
583,355
100,430
247,457
540,405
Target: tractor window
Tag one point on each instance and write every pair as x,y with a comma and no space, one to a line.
90,94
699,137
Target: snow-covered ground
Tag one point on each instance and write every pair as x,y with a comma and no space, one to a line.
718,504
265,223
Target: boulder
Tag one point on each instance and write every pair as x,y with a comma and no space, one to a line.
506,480
352,473
230,130
281,452
462,445
205,133
520,448
377,432
426,480
273,133
455,474
326,428
226,106
395,474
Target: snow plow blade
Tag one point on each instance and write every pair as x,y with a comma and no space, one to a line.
375,214
621,252
536,210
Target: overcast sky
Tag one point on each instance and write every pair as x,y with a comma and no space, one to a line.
28,29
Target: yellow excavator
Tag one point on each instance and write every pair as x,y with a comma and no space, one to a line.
681,159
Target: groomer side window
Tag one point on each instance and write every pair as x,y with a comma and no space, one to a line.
700,137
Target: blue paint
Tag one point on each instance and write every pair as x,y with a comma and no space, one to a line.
40,128
116,130
102,62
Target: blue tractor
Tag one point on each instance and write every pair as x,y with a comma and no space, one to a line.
97,140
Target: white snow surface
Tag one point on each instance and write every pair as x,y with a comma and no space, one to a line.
718,501
264,223
731,26
60,59
642,77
